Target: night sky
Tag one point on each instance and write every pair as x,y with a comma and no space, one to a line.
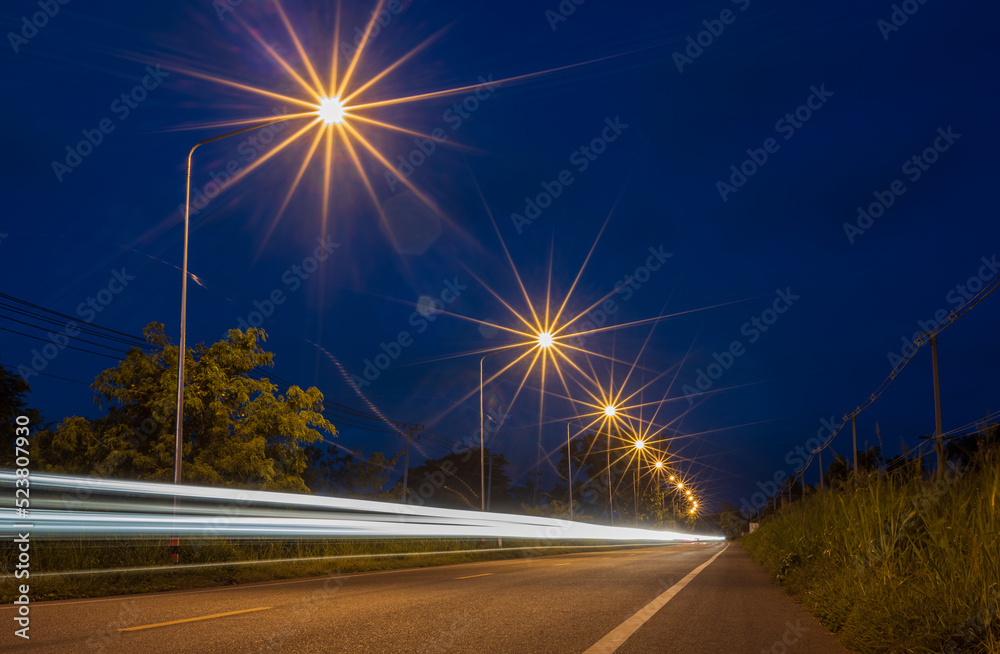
684,119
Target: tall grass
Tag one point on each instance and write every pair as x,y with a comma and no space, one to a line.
895,563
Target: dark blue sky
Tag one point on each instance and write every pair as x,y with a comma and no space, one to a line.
876,102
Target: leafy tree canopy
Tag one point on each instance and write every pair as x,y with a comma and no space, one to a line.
13,403
238,430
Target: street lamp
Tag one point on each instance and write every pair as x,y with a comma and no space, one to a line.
482,431
639,445
543,340
182,344
610,411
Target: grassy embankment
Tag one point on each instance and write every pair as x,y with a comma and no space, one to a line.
895,563
360,555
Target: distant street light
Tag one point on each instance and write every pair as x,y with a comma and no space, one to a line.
639,446
569,469
610,411
482,431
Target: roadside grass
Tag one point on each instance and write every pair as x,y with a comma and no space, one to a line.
245,561
893,563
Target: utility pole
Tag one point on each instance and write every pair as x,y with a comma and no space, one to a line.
854,441
410,428
537,474
637,493
939,440
821,486
611,499
489,484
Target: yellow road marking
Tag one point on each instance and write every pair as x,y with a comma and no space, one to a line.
204,617
558,564
487,574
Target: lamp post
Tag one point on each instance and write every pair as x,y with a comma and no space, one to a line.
569,470
639,447
543,340
609,412
482,431
182,345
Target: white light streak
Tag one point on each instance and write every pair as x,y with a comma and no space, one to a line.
243,513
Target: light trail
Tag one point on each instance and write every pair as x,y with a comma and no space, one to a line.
241,513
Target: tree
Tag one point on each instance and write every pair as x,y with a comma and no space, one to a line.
238,431
454,481
590,472
13,403
367,476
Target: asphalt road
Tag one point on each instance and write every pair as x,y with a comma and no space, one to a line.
654,599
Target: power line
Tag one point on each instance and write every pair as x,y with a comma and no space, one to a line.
908,356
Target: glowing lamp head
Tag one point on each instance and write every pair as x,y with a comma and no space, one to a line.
640,445
659,464
680,485
545,340
331,111
609,410
671,477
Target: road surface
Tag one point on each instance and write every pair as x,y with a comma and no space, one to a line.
690,598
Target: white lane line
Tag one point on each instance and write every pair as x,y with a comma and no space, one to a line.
624,631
